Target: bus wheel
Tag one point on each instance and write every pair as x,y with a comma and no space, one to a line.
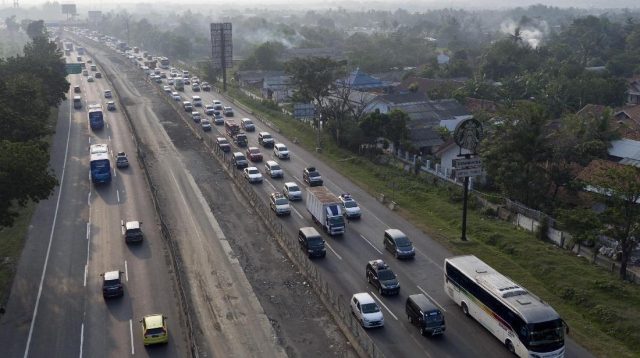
465,309
510,347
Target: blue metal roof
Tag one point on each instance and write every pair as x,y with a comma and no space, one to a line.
627,149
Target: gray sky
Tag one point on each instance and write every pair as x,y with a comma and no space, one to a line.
375,4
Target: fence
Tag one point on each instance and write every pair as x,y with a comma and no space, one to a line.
336,304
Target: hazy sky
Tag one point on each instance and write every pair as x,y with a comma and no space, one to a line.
84,5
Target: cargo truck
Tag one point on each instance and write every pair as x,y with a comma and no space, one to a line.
325,210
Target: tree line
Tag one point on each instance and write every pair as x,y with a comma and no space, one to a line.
30,85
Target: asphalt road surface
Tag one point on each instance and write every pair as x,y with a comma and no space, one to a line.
56,308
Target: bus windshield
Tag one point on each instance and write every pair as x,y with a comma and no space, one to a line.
546,336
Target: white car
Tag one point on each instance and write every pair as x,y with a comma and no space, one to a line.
366,310
350,206
281,151
292,191
208,110
205,124
279,204
90,79
176,96
252,174
167,89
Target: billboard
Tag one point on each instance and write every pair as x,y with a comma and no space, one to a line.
94,16
69,9
221,45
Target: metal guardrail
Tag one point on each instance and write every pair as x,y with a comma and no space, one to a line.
336,304
164,229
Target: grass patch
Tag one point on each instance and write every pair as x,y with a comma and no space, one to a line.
602,311
11,244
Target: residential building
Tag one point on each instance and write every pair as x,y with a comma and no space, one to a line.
447,152
633,92
277,88
424,85
361,81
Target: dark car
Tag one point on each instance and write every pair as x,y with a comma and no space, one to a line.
133,232
223,144
311,242
312,177
254,155
398,244
239,160
98,75
425,315
381,277
205,87
112,284
121,160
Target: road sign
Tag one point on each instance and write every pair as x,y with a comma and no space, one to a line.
73,68
303,111
471,172
221,45
467,163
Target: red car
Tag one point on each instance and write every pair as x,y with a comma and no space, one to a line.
254,154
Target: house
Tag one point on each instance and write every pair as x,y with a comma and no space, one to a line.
277,88
254,79
442,59
633,92
592,110
447,152
424,85
480,105
627,122
625,151
385,103
361,81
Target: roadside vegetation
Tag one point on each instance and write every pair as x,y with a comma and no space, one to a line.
32,85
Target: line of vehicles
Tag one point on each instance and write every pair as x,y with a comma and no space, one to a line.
526,325
154,326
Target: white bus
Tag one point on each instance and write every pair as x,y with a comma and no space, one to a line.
524,323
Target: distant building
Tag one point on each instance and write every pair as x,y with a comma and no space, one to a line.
277,88
254,79
442,59
633,92
333,53
361,81
424,85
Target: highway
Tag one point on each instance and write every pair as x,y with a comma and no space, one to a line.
344,266
56,308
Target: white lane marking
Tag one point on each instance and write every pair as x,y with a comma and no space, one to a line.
131,333
274,188
109,138
88,230
126,271
431,298
114,173
118,194
439,266
89,196
334,251
298,179
296,211
369,242
81,338
383,305
53,227
89,139
122,226
86,268
377,218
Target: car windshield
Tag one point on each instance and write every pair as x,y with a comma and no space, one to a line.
282,148
315,241
155,331
275,167
386,275
223,141
247,122
434,316
403,242
350,204
253,171
254,151
337,220
294,188
281,201
370,308
266,136
110,283
134,232
314,174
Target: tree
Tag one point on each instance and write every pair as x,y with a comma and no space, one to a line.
314,77
395,128
265,57
22,108
621,184
24,176
36,29
514,154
